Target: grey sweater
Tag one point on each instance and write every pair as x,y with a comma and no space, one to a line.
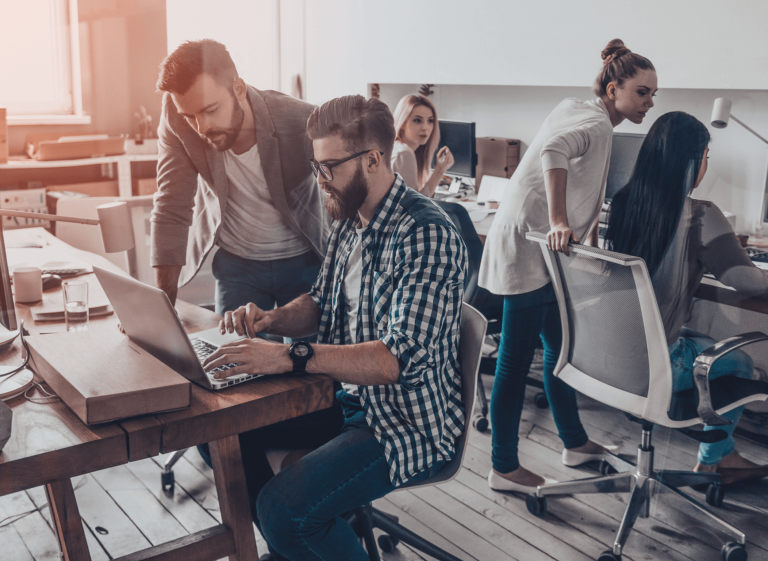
704,242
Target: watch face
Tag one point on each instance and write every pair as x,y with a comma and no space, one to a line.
301,350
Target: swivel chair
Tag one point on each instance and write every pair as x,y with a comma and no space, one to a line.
490,305
364,519
615,351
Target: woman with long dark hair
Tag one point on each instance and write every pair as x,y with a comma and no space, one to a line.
654,217
559,187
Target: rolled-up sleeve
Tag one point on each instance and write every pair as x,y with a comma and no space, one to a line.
427,294
174,200
561,148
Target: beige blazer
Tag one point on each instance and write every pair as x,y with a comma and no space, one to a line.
576,136
192,181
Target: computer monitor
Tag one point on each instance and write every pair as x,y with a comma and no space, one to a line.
626,147
460,139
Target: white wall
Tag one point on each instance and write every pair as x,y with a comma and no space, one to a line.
737,163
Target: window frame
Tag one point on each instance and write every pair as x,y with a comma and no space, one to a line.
72,74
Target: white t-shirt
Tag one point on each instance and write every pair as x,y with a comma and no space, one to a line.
252,227
352,275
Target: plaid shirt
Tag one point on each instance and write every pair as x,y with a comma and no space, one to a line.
412,285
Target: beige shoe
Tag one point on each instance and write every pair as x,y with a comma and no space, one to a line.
573,459
499,483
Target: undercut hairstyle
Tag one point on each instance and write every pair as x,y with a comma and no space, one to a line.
619,65
363,124
182,67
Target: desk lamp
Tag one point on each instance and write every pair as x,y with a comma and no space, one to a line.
721,112
116,233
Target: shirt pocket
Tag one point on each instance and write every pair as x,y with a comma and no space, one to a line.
382,299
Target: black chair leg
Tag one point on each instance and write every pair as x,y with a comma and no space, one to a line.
382,521
364,516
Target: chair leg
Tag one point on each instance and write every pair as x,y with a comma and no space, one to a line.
637,504
382,521
365,518
681,502
613,483
481,397
618,463
675,478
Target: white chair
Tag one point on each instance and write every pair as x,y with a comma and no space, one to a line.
615,351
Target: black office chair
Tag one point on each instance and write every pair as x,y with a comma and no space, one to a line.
490,305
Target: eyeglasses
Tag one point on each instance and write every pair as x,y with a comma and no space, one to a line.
325,169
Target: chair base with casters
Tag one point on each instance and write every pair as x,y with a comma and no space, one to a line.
643,481
167,480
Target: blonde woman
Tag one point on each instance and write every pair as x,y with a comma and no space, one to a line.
418,135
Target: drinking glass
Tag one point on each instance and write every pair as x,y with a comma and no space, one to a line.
76,305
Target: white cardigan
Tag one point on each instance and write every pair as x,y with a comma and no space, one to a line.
577,137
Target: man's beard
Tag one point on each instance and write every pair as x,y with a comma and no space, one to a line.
344,203
225,138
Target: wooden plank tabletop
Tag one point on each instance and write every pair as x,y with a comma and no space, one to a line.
214,415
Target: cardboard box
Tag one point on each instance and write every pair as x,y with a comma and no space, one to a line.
28,200
103,376
46,147
3,136
142,187
496,156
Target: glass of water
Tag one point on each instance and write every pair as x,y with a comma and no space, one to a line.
76,305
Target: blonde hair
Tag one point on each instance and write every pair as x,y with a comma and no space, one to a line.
425,152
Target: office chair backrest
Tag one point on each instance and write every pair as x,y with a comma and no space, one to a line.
473,325
460,218
614,346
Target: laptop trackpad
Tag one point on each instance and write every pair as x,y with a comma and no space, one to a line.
215,337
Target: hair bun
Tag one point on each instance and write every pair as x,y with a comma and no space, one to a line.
614,50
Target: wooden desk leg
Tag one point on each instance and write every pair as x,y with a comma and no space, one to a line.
229,475
66,517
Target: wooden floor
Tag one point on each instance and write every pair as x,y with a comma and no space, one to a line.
124,509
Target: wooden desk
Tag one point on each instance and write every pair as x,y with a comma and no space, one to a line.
49,444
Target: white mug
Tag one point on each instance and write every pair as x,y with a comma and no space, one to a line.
28,284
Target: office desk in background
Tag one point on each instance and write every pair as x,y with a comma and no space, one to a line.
49,444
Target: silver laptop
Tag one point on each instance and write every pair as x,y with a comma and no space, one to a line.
150,321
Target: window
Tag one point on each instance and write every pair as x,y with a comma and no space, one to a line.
40,62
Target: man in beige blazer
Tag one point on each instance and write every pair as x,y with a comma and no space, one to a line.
234,171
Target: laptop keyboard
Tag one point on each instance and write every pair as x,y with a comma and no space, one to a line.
757,255
203,350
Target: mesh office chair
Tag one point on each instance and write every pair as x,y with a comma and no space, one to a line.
615,351
490,305
364,519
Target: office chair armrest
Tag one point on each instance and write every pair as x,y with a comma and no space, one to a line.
702,366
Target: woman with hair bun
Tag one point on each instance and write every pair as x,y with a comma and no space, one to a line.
558,188
418,135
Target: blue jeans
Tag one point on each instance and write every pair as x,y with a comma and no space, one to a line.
528,319
265,283
300,509
682,354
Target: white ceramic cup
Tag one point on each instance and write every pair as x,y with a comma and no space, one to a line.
28,284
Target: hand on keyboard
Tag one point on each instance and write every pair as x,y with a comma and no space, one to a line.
249,356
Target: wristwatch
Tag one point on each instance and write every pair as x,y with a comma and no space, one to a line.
300,353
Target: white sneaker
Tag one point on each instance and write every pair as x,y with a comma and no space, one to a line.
573,459
499,483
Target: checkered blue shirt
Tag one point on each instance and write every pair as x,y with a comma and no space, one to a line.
413,267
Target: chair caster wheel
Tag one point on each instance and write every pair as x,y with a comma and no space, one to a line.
480,423
540,400
715,496
609,556
606,468
733,551
536,505
387,543
267,557
168,483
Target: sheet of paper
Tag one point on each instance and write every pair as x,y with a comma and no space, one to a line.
492,188
46,258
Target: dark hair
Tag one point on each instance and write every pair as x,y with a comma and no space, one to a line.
619,65
364,124
645,213
181,68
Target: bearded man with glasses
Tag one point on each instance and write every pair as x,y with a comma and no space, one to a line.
387,309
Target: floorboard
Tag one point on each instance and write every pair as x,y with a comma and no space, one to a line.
464,517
